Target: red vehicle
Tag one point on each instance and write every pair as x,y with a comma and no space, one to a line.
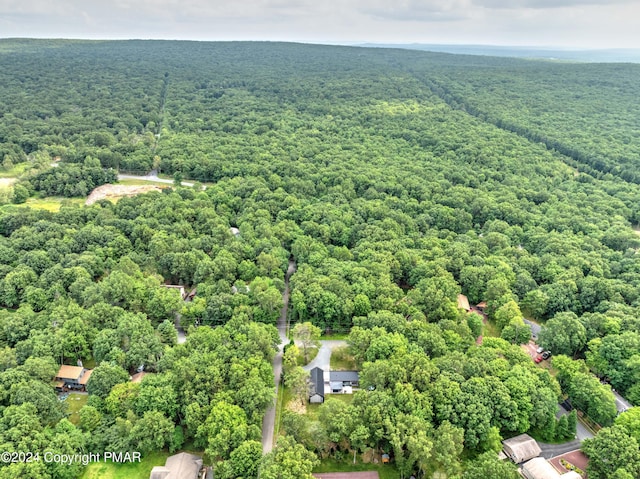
538,358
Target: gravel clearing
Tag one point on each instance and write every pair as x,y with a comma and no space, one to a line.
115,192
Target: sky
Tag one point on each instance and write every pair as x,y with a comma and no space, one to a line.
548,23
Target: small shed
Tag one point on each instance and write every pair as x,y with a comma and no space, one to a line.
521,448
316,394
463,302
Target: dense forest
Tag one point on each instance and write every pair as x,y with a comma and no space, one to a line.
395,179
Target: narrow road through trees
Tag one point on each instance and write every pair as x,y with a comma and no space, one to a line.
269,421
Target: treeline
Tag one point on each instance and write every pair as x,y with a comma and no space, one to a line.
72,180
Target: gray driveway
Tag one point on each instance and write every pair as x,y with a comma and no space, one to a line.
322,360
553,450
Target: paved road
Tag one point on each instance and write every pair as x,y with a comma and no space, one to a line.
269,421
582,432
553,450
322,360
621,403
151,177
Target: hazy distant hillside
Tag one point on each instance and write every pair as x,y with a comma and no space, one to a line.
604,56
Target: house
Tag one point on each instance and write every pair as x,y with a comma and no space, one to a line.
463,303
345,378
539,468
316,394
72,377
482,306
178,287
521,448
178,466
336,387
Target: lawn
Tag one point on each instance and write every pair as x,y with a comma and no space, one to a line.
74,403
386,471
284,396
311,354
336,336
132,470
341,360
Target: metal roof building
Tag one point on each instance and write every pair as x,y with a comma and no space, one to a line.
521,448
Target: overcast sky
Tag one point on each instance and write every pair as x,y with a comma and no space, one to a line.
560,23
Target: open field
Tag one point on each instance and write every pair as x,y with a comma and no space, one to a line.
51,203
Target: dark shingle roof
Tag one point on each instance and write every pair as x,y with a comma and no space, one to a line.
341,376
317,379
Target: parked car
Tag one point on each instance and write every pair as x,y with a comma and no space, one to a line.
539,350
538,358
546,355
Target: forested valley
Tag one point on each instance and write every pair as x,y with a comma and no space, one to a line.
396,180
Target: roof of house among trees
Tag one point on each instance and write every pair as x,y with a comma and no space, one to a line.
521,448
178,466
342,376
70,372
463,302
317,378
539,468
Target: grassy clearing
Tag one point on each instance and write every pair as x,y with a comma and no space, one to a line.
74,403
283,398
133,470
386,471
14,172
336,336
490,329
311,354
342,360
132,182
50,203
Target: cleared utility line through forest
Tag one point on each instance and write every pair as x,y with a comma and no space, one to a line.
163,100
